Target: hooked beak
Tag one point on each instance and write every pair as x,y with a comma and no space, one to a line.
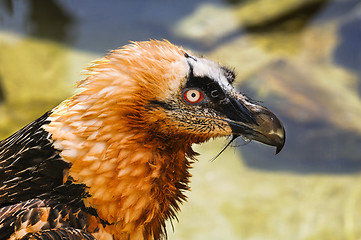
254,122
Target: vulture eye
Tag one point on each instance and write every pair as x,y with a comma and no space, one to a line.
193,96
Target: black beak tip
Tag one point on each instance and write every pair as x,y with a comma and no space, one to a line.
281,143
278,149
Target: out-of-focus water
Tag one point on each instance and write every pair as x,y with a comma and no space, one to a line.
300,58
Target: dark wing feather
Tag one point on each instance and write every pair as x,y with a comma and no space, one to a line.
38,217
30,168
59,234
32,190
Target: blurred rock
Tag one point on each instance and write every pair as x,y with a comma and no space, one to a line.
297,75
37,76
348,51
209,23
321,119
50,20
307,92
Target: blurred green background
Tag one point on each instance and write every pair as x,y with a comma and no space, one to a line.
301,58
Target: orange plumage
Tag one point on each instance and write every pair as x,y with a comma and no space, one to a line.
131,172
127,133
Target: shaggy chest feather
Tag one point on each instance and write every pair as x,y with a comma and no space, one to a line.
134,185
135,180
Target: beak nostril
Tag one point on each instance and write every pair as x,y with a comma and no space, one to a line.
242,111
214,94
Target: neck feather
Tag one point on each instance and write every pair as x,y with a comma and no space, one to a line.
136,182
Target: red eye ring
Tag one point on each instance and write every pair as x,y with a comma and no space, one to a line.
193,96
